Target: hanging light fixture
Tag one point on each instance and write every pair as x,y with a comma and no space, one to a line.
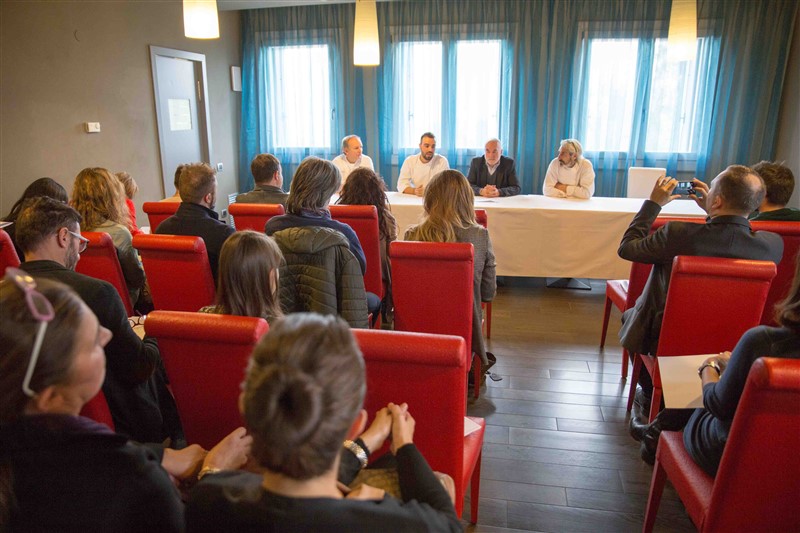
366,48
682,38
200,20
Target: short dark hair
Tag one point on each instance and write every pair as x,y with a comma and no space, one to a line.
427,134
263,167
177,180
41,218
313,184
304,388
197,180
41,187
739,192
778,179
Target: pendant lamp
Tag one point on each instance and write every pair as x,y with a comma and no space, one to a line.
366,48
682,38
200,20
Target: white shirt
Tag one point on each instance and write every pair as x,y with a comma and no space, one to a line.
578,179
346,167
414,173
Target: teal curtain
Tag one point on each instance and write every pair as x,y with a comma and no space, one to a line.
543,73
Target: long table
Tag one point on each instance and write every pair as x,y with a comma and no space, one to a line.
538,236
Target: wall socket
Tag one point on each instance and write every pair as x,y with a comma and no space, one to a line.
219,167
91,127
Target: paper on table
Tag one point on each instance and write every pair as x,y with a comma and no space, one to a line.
682,388
470,426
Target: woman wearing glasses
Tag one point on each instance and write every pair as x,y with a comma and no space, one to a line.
58,470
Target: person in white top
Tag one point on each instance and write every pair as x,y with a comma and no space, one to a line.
569,175
351,157
419,168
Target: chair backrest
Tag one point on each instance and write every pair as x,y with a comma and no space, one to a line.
432,287
205,357
100,260
427,372
364,221
254,216
711,302
97,409
757,487
158,212
177,271
642,179
8,254
790,232
482,218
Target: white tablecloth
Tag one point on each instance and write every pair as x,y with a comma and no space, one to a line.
538,236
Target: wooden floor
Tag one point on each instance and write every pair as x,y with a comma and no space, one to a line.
557,456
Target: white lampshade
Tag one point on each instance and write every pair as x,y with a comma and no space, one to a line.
200,20
366,48
682,38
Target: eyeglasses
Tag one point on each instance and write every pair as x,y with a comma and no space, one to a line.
84,241
41,309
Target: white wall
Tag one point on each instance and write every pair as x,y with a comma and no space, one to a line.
69,62
788,141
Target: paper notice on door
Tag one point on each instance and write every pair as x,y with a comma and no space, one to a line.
180,114
679,381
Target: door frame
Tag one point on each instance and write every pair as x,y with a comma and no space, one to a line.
204,122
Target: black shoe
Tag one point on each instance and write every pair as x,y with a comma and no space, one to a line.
637,428
641,405
647,449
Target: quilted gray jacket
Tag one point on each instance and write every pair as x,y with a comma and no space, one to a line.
321,274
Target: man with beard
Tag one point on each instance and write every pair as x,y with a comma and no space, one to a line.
569,175
419,168
196,216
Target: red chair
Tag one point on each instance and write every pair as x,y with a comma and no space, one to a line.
483,219
711,302
8,254
424,371
790,231
364,221
158,212
100,261
442,302
177,271
757,487
205,356
254,216
97,409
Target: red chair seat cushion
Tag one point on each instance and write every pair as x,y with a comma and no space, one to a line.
473,443
691,482
617,292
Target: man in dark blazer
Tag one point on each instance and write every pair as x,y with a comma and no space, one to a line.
268,177
733,195
493,174
141,406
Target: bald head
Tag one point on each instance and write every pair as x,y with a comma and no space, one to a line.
740,190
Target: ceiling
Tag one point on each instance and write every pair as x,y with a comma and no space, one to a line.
235,5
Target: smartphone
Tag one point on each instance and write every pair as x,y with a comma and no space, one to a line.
684,188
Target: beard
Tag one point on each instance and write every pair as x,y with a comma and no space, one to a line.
72,256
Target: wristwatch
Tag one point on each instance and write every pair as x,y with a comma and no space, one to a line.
712,364
358,451
206,470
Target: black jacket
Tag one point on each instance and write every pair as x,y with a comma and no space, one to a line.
504,177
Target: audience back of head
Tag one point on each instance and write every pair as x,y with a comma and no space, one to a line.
741,189
41,218
41,187
364,187
778,180
196,181
263,167
449,203
313,184
98,196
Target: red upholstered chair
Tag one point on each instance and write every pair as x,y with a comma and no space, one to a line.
427,372
757,487
711,302
254,216
364,221
432,290
158,212
483,219
790,231
97,409
177,271
100,260
8,254
205,357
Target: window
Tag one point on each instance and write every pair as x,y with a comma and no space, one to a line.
299,96
477,100
419,90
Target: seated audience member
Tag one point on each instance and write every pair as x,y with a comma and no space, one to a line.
100,199
131,188
268,177
569,175
779,182
418,169
41,187
302,398
196,216
365,188
141,406
351,157
493,174
58,470
733,195
177,196
449,216
248,277
313,184
723,377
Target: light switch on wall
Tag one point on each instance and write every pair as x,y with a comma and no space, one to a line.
219,167
91,127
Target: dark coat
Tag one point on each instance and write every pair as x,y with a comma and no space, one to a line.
504,177
263,194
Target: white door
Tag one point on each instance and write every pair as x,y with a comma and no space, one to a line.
179,83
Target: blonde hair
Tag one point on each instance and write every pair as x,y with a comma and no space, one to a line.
449,204
128,183
98,196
